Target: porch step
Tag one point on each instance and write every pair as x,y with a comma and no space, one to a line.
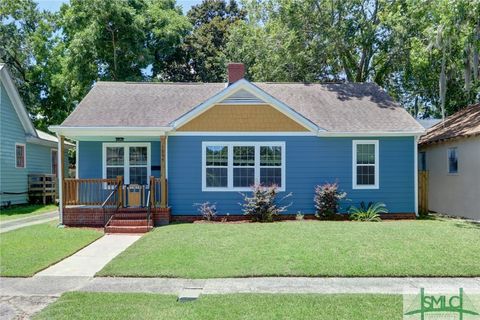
127,229
128,222
130,216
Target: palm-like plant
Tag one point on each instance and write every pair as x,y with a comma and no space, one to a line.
368,213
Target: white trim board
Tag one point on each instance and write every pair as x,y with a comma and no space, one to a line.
17,102
415,173
240,133
257,167
109,131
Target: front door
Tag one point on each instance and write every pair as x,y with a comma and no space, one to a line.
136,195
132,161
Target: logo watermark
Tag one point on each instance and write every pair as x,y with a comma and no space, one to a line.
441,306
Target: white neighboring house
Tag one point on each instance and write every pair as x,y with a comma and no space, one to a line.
450,152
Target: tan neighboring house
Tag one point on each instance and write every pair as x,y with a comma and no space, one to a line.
450,152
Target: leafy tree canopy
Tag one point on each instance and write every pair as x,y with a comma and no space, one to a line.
425,53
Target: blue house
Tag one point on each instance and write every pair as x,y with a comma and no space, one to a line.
162,147
24,151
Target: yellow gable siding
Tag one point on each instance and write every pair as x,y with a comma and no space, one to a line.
242,118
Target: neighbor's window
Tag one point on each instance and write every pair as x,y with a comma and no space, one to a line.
128,160
365,164
422,161
20,155
452,160
54,161
239,165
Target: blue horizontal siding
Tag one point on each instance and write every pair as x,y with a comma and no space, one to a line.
309,161
39,158
12,180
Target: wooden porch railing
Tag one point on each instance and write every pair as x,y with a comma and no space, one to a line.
94,192
157,195
88,191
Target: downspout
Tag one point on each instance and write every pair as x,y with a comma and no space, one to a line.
60,180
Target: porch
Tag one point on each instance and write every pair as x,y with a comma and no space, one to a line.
129,197
114,205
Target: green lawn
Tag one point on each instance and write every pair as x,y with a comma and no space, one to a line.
328,248
76,305
28,210
25,251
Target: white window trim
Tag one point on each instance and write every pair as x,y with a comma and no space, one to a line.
24,155
51,160
354,165
448,162
230,145
126,163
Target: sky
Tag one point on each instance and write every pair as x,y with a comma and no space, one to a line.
54,5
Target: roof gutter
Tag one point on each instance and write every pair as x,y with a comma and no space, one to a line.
371,134
109,131
48,143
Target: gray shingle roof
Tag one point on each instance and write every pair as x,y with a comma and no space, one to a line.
360,107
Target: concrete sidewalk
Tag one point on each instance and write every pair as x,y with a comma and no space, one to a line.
55,286
10,225
22,297
91,259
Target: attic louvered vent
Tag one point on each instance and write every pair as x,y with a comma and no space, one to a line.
242,97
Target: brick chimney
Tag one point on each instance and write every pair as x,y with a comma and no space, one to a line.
236,71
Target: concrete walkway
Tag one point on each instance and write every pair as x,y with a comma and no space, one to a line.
10,225
91,259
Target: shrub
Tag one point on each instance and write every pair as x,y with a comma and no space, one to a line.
262,205
207,209
327,200
299,216
370,212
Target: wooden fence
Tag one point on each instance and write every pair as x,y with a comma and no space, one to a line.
422,192
42,186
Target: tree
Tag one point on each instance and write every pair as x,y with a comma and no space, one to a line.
202,55
26,38
425,54
55,58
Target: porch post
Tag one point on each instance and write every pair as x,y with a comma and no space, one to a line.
61,180
120,191
163,169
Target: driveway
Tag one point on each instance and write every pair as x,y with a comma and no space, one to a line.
28,221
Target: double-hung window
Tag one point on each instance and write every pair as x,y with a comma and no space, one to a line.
452,160
216,166
365,164
20,155
236,166
132,161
